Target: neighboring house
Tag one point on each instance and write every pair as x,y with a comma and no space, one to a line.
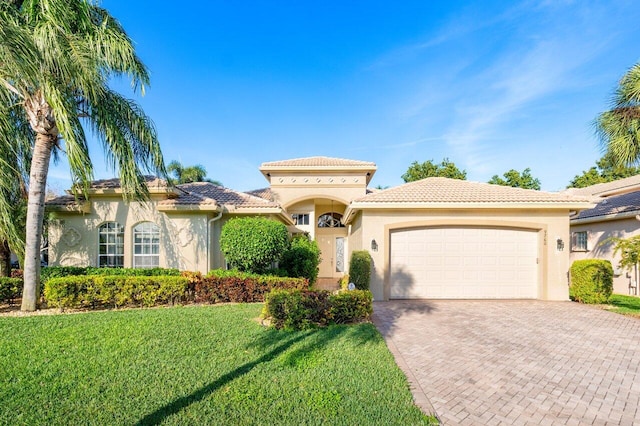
616,215
434,238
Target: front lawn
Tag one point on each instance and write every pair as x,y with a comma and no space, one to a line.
195,365
627,305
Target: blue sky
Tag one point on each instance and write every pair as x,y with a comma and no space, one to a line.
491,85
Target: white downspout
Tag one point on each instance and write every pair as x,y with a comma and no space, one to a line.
209,233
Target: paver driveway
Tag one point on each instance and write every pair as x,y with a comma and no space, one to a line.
516,362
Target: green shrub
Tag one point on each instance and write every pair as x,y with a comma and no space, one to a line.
591,281
133,272
65,271
351,306
221,286
83,291
10,289
297,310
302,259
253,244
360,269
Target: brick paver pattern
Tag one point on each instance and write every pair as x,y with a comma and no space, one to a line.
517,362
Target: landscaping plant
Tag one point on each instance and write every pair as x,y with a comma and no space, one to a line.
591,281
253,244
360,269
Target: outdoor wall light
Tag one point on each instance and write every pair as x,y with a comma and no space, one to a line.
560,244
374,245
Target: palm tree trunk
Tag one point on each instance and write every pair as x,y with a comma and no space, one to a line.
5,259
35,214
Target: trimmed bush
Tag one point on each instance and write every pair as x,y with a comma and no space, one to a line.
302,259
351,306
591,281
83,291
298,310
360,269
253,244
10,289
65,271
221,286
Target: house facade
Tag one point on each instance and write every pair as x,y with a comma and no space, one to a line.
434,238
616,214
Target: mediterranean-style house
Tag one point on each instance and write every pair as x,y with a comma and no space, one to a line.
616,215
434,238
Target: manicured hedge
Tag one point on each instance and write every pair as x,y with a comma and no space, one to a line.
301,259
10,289
303,309
84,291
360,269
221,286
591,281
64,271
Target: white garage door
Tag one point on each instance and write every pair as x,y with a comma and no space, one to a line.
464,263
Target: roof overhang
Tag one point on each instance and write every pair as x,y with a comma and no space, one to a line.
74,207
606,218
354,207
368,171
189,208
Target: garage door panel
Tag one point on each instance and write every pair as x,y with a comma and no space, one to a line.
464,262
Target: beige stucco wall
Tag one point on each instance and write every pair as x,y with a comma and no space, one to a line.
598,248
551,224
74,236
293,187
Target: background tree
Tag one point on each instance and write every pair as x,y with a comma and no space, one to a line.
516,179
446,168
619,128
188,174
606,170
58,58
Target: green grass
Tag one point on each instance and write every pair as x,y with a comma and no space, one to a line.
195,365
627,305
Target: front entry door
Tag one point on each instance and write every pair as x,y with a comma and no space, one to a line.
333,262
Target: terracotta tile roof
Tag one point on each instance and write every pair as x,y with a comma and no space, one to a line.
444,190
197,193
625,203
262,193
620,185
208,193
63,200
318,162
114,183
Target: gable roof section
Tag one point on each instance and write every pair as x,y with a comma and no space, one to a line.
264,193
439,192
205,193
616,187
611,208
319,162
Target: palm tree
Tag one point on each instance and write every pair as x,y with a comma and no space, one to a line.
57,59
188,174
619,128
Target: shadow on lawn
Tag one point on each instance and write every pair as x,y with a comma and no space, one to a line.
313,342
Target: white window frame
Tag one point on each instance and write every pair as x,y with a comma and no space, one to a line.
304,216
113,243
146,245
580,241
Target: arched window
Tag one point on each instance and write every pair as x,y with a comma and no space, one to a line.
330,220
111,245
146,245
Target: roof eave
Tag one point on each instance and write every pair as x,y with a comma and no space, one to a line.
549,205
189,207
605,218
77,207
259,211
